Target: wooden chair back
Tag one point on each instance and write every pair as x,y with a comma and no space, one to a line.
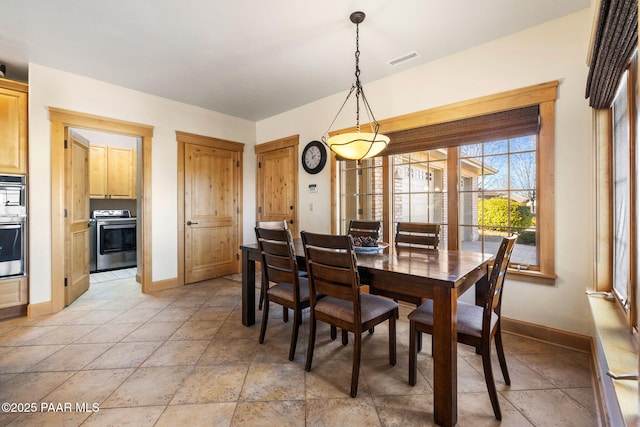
272,225
497,276
332,267
359,228
421,235
278,256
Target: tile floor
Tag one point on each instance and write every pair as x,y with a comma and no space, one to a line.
182,356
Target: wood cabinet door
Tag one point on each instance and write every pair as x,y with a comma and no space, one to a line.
120,179
277,186
13,131
77,221
98,175
211,183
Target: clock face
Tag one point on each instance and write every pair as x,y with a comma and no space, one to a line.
314,157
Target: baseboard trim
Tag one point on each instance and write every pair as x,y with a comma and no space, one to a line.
15,311
161,285
550,335
39,309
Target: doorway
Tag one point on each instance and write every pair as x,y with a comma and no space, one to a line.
112,204
61,120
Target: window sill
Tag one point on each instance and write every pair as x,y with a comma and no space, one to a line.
615,349
531,276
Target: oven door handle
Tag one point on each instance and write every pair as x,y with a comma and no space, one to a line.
11,226
116,226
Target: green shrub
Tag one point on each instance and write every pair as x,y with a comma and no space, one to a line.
497,211
527,238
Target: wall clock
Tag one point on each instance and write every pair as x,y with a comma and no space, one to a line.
314,157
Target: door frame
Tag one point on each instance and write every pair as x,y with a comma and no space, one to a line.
189,138
60,119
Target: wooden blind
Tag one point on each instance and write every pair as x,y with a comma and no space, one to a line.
489,127
616,38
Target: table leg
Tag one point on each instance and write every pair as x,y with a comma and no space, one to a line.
248,289
482,288
445,369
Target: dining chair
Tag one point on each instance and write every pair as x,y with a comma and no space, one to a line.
417,236
412,237
477,325
333,272
271,225
358,228
281,282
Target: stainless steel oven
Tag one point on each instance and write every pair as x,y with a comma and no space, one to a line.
113,240
12,246
13,225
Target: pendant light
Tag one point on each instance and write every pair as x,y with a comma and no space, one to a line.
357,145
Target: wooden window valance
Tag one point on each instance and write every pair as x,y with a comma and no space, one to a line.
615,40
488,127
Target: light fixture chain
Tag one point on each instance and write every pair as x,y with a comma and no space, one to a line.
358,84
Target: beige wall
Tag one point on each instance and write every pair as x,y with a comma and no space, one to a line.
53,88
552,51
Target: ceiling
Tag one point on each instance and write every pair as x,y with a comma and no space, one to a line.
251,58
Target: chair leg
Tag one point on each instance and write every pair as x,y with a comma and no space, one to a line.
488,378
345,337
355,370
285,314
265,318
312,342
297,316
392,340
262,286
419,343
334,332
413,354
501,358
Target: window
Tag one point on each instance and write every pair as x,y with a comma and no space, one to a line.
617,186
498,196
482,169
621,195
419,188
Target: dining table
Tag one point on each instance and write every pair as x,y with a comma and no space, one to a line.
440,275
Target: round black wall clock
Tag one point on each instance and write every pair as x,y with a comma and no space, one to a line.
314,157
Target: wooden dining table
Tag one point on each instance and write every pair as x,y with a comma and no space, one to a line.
439,275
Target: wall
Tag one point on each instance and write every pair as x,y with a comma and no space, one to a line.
53,88
552,51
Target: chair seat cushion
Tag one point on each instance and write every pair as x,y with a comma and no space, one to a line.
284,290
469,317
371,306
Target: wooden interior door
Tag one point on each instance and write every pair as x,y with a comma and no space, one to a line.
277,184
211,177
77,217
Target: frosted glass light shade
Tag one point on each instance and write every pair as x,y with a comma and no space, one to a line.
357,145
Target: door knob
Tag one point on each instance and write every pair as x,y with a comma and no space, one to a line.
291,207
290,221
189,222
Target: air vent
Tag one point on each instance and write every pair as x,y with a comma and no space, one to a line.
404,58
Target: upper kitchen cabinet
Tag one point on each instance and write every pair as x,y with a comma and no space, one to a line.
13,127
113,172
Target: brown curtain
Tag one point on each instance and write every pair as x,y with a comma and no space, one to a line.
616,38
489,127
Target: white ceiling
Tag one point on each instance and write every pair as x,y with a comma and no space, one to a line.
250,58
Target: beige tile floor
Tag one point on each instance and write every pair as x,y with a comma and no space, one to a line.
183,357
